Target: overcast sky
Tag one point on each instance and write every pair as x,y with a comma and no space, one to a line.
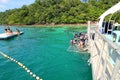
11,4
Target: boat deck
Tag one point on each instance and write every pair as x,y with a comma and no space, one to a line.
105,56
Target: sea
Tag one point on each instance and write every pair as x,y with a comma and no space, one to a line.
44,51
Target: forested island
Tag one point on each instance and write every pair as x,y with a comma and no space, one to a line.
56,12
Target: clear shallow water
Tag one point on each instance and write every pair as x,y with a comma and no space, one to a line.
44,51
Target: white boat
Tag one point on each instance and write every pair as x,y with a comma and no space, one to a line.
105,47
9,35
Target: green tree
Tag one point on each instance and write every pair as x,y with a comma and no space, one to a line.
57,11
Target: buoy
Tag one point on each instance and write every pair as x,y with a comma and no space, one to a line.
12,59
5,56
20,64
28,71
8,57
34,75
31,73
37,78
23,66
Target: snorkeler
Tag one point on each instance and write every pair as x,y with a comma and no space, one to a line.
18,31
8,30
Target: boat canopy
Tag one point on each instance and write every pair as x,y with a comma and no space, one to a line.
115,8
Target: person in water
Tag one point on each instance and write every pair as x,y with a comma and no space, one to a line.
8,31
5,30
72,42
82,41
17,31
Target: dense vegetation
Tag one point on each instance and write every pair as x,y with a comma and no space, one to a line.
56,12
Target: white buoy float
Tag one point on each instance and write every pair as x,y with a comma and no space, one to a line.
37,78
34,75
31,73
23,66
28,71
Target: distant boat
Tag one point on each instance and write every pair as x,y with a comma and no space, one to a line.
7,36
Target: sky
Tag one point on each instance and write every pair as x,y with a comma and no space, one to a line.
11,4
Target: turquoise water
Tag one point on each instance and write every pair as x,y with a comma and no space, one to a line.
44,52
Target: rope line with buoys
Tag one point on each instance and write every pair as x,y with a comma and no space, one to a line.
22,66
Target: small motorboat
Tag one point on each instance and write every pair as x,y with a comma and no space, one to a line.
9,35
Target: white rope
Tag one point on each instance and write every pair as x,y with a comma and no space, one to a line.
22,66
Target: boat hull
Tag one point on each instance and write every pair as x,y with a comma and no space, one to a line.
4,36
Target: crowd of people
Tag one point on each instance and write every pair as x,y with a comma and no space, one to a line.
80,39
9,31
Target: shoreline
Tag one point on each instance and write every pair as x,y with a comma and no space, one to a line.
48,25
